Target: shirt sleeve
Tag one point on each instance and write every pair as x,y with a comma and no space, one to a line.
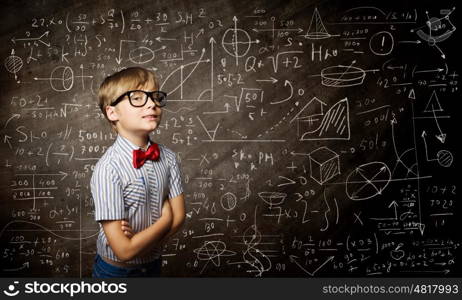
175,182
107,193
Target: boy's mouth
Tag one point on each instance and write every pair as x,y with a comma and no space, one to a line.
151,117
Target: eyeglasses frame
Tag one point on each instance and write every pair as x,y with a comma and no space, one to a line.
148,94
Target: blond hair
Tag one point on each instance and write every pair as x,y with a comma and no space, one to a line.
121,82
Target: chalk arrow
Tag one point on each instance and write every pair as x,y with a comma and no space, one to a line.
7,140
441,137
395,205
160,39
421,228
119,59
272,79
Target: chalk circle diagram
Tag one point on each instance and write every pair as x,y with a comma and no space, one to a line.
381,43
272,198
213,251
141,55
342,76
367,181
61,80
444,158
13,64
228,201
64,78
236,41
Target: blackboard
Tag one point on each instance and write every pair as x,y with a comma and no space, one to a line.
316,138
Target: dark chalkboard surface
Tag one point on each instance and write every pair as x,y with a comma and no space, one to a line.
316,138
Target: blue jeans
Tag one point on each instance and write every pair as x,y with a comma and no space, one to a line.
102,269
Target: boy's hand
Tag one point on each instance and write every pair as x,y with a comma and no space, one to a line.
126,229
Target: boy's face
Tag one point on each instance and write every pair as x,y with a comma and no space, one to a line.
132,120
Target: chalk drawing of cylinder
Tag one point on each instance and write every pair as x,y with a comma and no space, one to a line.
324,164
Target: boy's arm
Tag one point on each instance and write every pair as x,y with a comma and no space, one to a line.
176,204
175,198
126,248
178,211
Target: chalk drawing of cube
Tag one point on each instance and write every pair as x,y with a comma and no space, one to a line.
324,164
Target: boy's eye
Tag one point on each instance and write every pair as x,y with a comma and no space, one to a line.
159,98
137,96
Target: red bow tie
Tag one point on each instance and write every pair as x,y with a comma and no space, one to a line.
139,156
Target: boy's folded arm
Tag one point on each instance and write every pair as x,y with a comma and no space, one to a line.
179,214
177,209
126,248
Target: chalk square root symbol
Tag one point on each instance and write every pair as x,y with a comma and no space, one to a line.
324,164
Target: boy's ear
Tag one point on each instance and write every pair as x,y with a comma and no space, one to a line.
111,113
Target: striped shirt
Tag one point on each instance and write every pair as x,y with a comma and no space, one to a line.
120,191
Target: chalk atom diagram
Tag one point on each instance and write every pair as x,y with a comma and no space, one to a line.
436,30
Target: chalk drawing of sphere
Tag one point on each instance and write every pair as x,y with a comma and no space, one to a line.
13,64
62,79
236,42
445,158
228,201
367,181
141,55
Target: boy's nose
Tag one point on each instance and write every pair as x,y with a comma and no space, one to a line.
152,103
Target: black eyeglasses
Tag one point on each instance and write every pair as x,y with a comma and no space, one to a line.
138,98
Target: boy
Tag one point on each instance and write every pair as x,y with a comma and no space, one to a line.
136,185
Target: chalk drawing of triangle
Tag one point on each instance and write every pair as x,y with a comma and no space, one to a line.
317,30
433,104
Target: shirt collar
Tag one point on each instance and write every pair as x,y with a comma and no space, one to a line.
126,147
